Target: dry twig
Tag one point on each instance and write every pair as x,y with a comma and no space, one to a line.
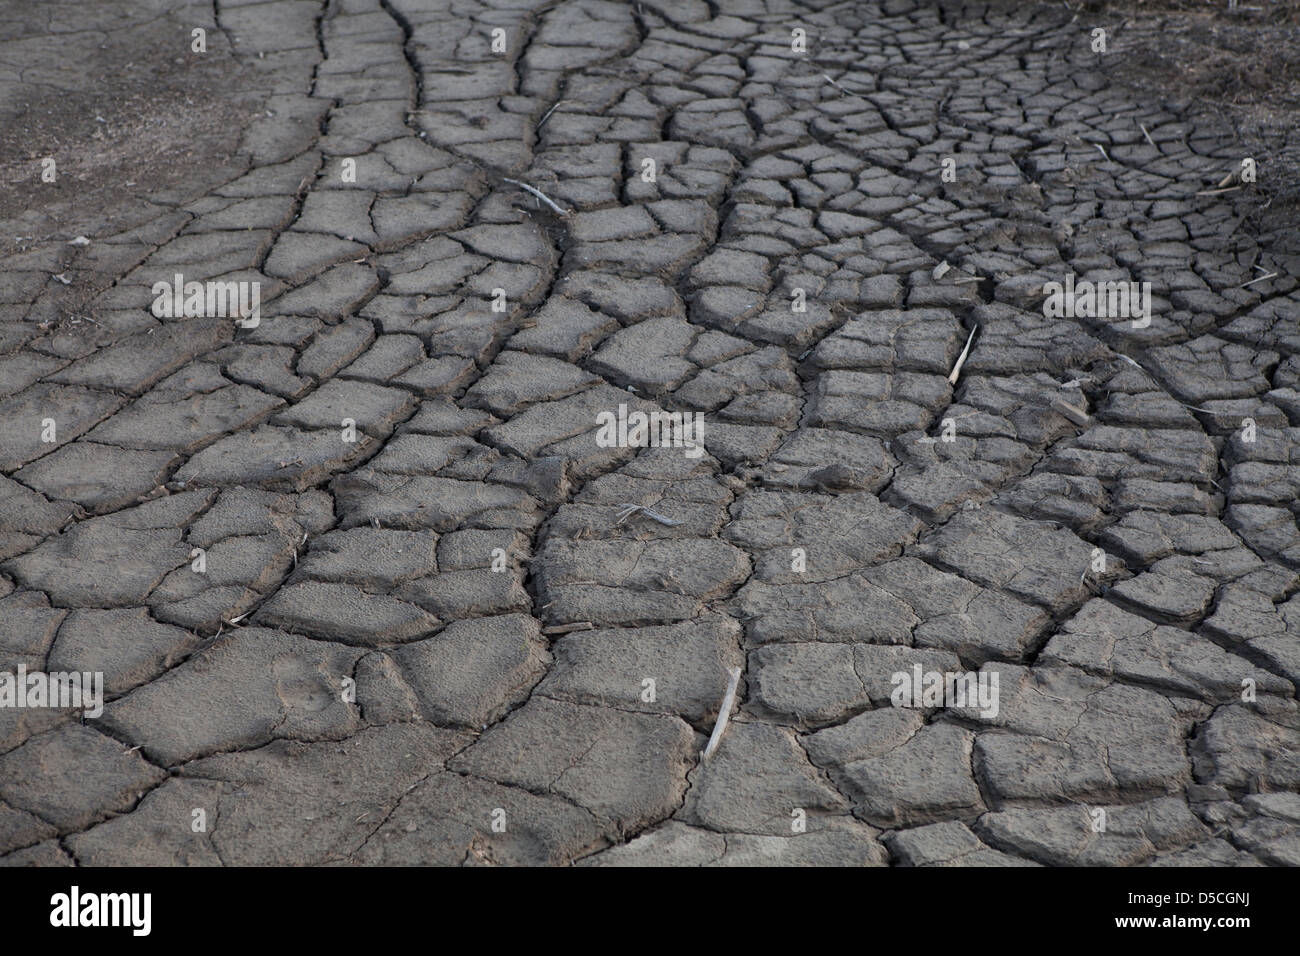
559,210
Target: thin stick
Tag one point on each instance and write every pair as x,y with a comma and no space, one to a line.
1147,135
628,511
569,628
961,359
1103,151
834,84
1215,192
1271,275
547,114
724,714
539,194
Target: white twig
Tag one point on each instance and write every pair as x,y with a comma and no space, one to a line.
961,359
628,511
547,114
1271,275
834,84
724,714
559,210
1102,149
1147,135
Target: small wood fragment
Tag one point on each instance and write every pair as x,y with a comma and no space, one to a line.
1076,415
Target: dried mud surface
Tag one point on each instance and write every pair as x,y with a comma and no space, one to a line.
432,639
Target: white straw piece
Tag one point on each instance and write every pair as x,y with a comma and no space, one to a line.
724,714
547,114
961,359
628,511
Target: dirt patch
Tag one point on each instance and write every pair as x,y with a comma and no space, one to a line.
1240,65
125,124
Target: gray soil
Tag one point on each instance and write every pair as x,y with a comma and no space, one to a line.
362,582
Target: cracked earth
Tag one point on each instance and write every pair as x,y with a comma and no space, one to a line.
430,644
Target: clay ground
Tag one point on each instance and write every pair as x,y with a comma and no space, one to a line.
364,586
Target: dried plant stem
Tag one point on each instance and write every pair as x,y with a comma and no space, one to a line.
724,714
559,210
961,359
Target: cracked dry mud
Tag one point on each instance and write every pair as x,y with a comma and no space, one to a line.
517,694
